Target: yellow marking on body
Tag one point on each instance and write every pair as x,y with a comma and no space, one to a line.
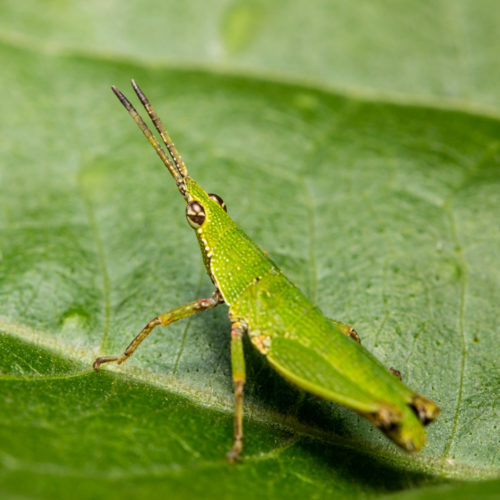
262,343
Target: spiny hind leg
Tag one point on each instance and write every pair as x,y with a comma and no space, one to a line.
238,366
164,319
346,329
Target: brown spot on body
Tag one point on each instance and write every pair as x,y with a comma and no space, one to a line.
426,410
387,418
262,343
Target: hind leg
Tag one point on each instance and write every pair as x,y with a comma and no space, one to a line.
346,329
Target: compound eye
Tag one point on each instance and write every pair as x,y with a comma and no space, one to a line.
195,214
218,200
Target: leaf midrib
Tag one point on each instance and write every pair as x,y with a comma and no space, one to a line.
441,467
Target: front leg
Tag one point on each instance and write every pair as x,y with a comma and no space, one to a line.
238,366
164,319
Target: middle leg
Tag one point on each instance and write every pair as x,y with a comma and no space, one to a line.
238,366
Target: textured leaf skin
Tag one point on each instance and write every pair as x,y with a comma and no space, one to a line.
296,338
397,177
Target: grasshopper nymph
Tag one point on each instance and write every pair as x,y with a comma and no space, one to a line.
318,354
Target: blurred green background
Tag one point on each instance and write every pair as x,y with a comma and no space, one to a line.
358,143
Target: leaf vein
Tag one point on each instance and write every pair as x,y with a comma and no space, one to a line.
101,258
463,347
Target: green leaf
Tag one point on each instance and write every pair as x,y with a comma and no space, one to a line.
385,214
487,490
428,51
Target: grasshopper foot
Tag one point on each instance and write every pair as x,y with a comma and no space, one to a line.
234,455
106,359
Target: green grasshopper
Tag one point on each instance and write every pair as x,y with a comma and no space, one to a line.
318,354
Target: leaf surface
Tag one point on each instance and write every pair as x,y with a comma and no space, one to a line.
384,214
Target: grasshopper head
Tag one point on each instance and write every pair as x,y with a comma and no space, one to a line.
206,214
202,208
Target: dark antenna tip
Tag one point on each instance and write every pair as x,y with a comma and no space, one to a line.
174,170
179,164
125,102
140,93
